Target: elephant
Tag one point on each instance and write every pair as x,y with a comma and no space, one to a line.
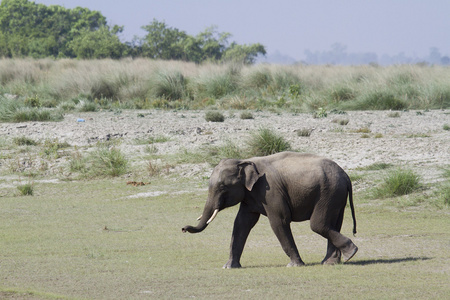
285,187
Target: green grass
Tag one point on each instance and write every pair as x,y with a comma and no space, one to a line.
399,182
24,141
266,141
26,189
91,240
105,161
214,116
246,115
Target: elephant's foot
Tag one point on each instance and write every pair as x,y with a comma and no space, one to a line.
295,264
348,251
232,265
332,259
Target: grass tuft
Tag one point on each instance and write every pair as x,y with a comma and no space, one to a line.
397,183
266,142
24,141
214,116
26,189
246,115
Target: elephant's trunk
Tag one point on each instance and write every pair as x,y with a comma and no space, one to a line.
207,217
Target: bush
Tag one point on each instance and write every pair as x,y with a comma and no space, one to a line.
24,141
245,115
26,189
266,142
109,162
87,106
399,182
104,162
170,86
382,101
342,94
214,116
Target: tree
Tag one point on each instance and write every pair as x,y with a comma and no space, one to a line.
30,29
246,54
163,42
101,43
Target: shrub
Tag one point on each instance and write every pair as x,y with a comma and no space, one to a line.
266,142
320,113
446,127
382,101
87,106
214,116
305,132
24,141
109,162
104,162
399,182
342,122
259,79
170,86
342,94
35,114
102,88
245,115
26,189
394,114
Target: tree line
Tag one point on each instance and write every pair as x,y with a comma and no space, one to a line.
28,29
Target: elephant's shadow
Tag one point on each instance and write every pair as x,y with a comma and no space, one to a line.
364,262
386,261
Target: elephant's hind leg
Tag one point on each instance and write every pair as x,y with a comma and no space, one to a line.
339,246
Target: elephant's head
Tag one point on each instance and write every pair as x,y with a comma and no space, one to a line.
227,186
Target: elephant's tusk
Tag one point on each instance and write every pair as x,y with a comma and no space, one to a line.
213,216
198,219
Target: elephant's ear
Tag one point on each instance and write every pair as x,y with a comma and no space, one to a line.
248,173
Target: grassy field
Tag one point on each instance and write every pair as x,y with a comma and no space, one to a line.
99,239
46,89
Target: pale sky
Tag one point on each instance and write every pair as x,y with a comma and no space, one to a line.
293,26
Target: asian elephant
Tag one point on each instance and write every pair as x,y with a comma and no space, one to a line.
286,187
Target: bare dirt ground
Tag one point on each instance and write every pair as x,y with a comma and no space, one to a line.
414,139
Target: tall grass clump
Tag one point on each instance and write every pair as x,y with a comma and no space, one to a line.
109,162
169,86
214,116
26,189
105,161
397,183
379,101
14,110
24,141
216,85
266,142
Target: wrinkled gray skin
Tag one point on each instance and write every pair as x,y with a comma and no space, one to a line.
286,187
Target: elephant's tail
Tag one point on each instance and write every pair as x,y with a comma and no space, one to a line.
350,199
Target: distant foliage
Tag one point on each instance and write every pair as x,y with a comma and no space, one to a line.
29,29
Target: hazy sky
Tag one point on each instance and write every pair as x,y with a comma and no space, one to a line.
292,26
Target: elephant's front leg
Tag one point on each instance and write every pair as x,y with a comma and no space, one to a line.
284,234
243,224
